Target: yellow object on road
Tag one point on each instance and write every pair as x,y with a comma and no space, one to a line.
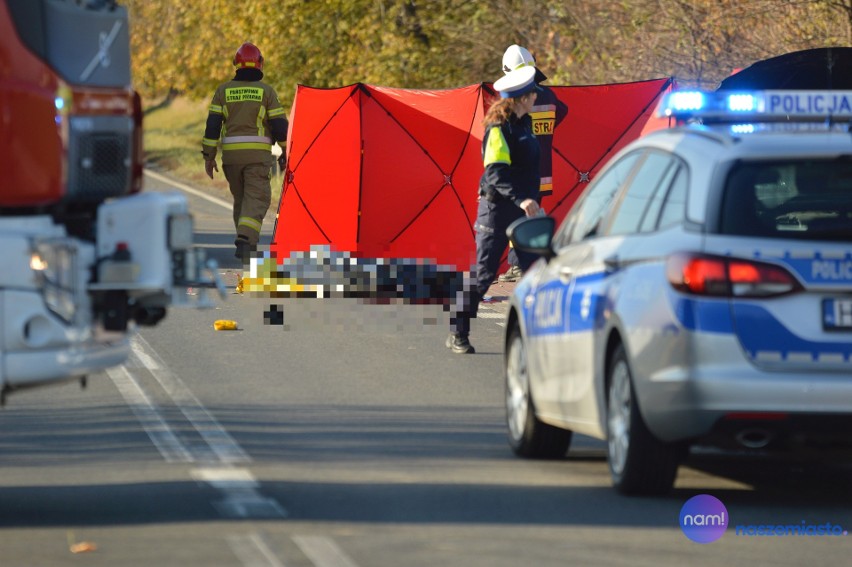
79,547
225,325
83,547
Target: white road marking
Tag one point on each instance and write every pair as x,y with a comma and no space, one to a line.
252,551
226,449
238,504
240,496
323,552
489,313
238,487
189,189
225,477
147,413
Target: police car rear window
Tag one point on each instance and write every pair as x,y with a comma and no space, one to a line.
807,199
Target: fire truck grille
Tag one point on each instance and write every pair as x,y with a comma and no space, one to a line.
99,159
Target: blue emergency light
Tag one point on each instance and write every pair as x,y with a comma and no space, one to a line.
758,106
743,128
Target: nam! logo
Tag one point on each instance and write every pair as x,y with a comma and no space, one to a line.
703,518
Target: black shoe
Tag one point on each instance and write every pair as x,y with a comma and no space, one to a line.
459,344
243,249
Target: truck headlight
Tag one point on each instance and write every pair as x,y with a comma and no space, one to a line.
55,267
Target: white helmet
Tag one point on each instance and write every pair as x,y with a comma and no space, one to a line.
516,57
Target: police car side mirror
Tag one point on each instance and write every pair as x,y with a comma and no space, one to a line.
533,235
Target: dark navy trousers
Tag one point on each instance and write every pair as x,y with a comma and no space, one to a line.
492,220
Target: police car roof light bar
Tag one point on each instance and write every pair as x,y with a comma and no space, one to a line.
728,107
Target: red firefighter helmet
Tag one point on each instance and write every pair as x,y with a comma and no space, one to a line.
248,55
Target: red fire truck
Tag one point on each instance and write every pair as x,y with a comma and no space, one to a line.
85,256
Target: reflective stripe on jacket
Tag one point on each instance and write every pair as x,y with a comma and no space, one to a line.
547,113
238,120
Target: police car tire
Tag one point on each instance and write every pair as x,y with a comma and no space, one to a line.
537,440
650,465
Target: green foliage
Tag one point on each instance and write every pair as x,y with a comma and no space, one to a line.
173,143
173,146
188,46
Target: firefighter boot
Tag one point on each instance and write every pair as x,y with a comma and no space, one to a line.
243,249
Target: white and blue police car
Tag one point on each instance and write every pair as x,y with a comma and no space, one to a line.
698,292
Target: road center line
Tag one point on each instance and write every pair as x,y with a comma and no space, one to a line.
238,487
323,552
146,412
226,449
252,551
240,497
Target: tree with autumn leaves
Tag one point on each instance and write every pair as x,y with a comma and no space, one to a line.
187,47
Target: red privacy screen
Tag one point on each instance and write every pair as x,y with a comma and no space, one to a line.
393,173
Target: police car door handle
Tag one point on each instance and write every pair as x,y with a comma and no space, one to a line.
612,263
565,273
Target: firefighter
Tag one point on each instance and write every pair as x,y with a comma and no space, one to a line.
247,118
547,113
508,190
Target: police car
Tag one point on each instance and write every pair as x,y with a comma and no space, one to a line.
699,292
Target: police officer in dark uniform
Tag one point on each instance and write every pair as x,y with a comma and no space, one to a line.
546,115
508,190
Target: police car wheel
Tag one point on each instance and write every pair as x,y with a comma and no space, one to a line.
528,437
638,462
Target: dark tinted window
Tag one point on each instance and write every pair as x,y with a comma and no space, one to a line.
809,199
636,199
28,17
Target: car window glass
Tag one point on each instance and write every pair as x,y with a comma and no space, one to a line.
674,208
635,199
563,233
598,198
807,199
652,213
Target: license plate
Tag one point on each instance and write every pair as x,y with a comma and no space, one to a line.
837,314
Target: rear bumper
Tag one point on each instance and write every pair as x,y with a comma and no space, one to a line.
691,401
704,405
783,432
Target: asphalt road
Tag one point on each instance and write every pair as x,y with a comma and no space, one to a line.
348,437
